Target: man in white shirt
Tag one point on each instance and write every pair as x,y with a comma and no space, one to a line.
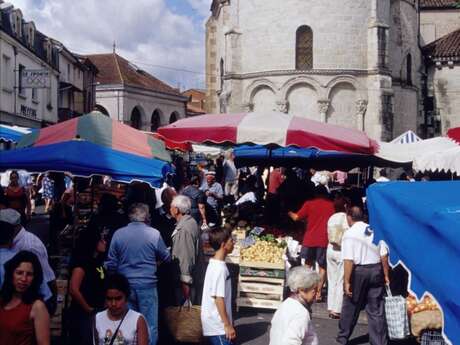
25,240
366,273
216,304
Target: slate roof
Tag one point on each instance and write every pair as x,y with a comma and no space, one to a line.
446,47
114,69
438,4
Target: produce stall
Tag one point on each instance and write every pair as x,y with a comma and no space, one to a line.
262,273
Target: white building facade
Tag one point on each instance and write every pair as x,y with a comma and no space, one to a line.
23,48
133,96
354,63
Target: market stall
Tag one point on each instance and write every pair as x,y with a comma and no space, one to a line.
419,222
268,128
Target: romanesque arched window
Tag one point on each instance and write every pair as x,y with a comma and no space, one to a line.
155,121
409,69
304,48
174,117
136,118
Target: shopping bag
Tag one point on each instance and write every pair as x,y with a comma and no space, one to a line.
184,323
396,316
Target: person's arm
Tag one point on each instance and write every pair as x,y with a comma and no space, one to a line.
386,269
202,209
300,215
142,332
228,327
112,258
39,315
27,202
75,283
162,251
348,269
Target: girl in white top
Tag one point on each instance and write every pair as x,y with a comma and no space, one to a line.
291,324
130,326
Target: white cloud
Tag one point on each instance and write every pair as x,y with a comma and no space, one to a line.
145,31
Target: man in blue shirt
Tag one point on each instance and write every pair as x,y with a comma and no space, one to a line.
214,195
134,252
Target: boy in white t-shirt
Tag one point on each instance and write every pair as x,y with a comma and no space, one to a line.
216,305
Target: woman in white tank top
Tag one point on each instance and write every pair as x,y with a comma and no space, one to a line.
130,326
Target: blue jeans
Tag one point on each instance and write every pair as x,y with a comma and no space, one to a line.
218,340
145,301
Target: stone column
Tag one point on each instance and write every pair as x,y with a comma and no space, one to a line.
361,108
323,107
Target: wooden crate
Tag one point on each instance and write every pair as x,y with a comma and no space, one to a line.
259,292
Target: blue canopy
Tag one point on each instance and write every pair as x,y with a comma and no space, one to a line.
247,155
82,158
8,133
420,222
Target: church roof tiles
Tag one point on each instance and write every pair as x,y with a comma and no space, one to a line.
438,4
114,69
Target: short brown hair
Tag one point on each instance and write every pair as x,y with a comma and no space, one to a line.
219,236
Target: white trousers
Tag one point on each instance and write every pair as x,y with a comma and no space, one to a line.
334,280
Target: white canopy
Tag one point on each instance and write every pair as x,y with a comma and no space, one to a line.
448,160
408,153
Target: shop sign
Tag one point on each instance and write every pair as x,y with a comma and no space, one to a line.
34,78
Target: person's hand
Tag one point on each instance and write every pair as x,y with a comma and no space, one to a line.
207,193
347,289
230,332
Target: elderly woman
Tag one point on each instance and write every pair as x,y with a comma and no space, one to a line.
292,324
187,250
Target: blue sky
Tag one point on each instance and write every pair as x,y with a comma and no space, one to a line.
151,33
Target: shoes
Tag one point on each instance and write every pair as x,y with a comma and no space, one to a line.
334,316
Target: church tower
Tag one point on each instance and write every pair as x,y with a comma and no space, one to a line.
354,63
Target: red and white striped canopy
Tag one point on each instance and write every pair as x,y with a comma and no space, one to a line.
268,128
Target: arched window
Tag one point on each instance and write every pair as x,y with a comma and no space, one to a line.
136,118
304,48
101,109
173,118
222,72
155,121
409,69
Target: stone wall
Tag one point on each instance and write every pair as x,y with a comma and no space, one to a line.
348,84
446,85
120,105
435,24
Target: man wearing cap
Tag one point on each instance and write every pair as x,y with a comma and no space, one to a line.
25,240
214,195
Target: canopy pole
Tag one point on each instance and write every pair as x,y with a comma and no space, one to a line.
75,212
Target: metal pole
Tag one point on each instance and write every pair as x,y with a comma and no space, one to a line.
15,50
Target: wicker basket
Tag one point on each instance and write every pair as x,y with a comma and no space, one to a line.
184,323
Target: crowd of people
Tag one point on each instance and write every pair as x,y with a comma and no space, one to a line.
144,253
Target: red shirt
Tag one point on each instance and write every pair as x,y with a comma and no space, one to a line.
275,180
317,212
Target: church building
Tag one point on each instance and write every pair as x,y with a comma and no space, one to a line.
354,63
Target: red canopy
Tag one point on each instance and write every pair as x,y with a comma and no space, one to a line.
454,134
172,145
268,128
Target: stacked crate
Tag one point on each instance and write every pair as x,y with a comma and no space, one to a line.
260,285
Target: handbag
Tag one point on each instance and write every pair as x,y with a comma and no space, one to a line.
396,316
184,323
